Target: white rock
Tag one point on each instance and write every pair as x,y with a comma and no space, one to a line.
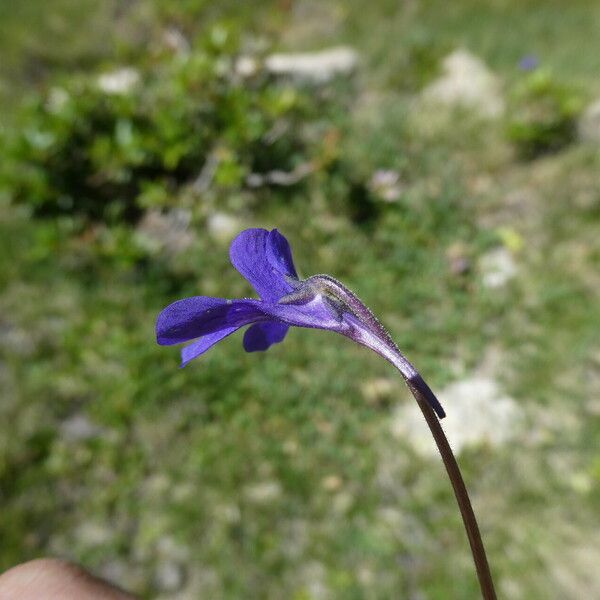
169,549
176,41
16,340
169,576
228,513
266,491
57,99
468,83
115,570
118,82
588,127
314,67
571,564
313,577
94,534
78,428
386,184
497,268
124,573
167,231
246,66
477,412
223,227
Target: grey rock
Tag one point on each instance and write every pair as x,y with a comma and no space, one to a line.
313,67
16,340
169,576
386,184
118,82
263,492
466,82
79,428
246,66
588,127
223,227
94,534
497,268
477,412
168,231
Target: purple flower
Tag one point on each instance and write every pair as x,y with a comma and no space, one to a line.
529,62
264,258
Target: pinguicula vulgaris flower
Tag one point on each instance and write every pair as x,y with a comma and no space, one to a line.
264,258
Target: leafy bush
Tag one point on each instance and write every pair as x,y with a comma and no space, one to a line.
543,114
108,146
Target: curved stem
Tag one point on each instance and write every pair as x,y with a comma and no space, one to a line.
460,492
357,322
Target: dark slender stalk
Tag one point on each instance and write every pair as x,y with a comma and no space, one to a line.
362,326
462,498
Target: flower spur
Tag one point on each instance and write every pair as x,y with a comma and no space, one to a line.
264,258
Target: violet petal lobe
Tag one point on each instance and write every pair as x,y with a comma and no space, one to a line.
193,317
261,336
201,345
279,254
202,317
264,258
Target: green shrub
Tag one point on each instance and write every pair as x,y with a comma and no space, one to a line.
106,147
542,115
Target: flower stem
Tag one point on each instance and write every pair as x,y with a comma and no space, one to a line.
462,497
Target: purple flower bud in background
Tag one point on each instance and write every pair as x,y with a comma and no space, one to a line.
529,62
264,258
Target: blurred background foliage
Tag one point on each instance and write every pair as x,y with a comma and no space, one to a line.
446,169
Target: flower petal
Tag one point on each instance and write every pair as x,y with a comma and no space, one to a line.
279,254
264,258
201,345
260,336
193,317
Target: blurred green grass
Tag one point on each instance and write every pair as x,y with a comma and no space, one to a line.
276,475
